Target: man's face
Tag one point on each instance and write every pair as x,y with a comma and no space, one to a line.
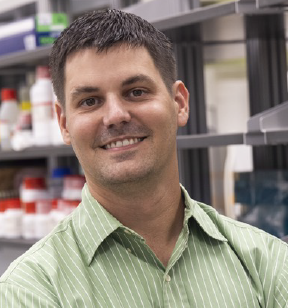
119,116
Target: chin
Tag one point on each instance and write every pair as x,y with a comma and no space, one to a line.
125,178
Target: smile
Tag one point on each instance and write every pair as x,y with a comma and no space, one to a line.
122,143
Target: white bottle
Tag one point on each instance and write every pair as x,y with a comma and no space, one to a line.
41,97
13,219
42,225
56,214
22,137
32,189
73,185
29,221
8,117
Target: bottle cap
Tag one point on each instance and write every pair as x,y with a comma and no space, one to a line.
42,72
13,203
60,172
8,94
34,183
25,106
54,205
2,206
29,207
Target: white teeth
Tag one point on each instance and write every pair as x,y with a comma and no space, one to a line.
123,143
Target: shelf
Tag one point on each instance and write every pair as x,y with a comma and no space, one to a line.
208,140
195,16
269,3
13,5
79,7
38,152
266,128
267,138
27,57
17,241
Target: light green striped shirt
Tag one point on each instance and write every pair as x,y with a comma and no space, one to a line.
92,260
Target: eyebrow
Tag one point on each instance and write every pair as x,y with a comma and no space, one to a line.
80,90
137,78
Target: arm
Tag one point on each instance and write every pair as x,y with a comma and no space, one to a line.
13,295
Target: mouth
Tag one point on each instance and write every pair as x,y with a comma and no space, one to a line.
122,143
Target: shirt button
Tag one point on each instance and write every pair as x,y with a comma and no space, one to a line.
129,250
167,278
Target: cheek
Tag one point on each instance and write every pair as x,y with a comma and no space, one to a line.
81,128
159,113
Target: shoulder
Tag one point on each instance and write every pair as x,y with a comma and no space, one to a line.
35,263
243,235
263,256
33,276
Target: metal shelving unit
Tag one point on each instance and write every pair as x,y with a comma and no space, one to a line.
265,67
27,58
17,241
38,152
196,16
269,127
180,27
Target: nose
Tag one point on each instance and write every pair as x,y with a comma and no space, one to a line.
115,112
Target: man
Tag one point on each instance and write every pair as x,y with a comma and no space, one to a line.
136,239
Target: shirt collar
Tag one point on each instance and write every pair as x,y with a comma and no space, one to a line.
199,212
93,224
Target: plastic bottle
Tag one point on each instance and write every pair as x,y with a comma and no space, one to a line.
13,218
32,190
22,137
41,97
8,117
56,182
66,207
29,221
73,185
42,223
57,213
2,220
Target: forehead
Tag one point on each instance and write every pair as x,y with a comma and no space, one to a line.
110,65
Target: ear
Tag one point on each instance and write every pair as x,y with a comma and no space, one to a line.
61,117
181,98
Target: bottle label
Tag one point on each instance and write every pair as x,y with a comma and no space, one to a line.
42,112
5,130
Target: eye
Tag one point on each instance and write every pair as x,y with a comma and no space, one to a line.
137,92
91,101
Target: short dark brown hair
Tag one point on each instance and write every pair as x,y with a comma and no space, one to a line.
104,29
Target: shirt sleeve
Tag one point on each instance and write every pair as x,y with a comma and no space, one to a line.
12,295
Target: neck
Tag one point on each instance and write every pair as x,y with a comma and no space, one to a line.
155,211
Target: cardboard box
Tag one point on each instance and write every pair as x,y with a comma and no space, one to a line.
32,32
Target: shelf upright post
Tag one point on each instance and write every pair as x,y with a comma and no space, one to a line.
267,75
193,163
